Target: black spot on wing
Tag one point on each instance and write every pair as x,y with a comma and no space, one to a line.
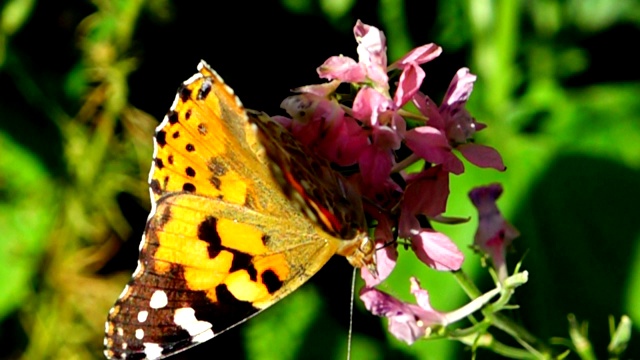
159,163
190,147
243,261
202,129
189,187
227,310
271,281
205,89
161,138
185,93
187,115
217,167
155,187
216,182
173,117
207,231
176,135
190,171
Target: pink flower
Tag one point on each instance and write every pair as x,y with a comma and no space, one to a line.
494,233
386,252
450,126
426,194
372,65
322,125
407,322
432,145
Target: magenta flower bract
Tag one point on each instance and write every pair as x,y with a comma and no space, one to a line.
494,233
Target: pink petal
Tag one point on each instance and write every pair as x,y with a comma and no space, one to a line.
459,90
409,84
482,156
342,68
369,104
419,55
493,230
375,167
437,250
387,251
431,144
426,192
372,53
428,108
385,137
403,318
421,295
322,90
344,142
423,138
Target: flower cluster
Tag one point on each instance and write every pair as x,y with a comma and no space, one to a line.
382,139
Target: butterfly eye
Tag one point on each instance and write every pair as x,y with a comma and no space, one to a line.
367,246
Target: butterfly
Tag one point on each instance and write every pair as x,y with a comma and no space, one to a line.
241,215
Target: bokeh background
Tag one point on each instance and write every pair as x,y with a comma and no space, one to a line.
84,83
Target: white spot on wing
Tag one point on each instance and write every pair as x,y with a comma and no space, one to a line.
186,319
139,334
158,299
207,335
142,316
124,292
152,351
120,331
139,268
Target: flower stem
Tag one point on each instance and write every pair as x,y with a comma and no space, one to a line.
524,337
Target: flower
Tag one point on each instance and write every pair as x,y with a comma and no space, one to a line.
494,233
407,322
323,127
426,194
451,126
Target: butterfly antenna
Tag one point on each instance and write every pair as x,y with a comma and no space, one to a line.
353,295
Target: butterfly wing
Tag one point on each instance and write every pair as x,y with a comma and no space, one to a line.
206,266
216,249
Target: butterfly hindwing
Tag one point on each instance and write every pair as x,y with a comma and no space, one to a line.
203,273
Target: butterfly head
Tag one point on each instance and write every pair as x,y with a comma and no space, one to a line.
360,252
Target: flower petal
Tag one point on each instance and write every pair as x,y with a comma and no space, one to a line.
409,84
482,156
342,68
437,250
419,55
459,91
426,192
431,144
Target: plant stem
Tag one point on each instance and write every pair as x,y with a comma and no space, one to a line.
524,337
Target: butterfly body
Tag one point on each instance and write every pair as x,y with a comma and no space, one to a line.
242,215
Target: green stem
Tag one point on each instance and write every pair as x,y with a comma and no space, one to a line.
487,341
524,337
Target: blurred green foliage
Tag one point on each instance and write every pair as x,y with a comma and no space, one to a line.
84,81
